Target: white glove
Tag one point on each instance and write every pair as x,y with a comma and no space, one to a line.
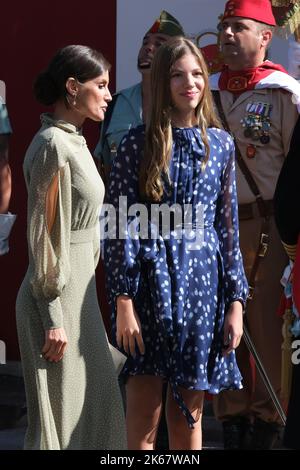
6,223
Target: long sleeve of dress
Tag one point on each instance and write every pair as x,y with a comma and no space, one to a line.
121,251
227,227
49,246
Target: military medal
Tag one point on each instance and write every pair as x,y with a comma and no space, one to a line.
255,134
256,123
247,132
265,139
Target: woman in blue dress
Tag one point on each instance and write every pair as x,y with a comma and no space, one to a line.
176,285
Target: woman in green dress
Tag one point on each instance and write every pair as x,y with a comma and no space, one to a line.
71,386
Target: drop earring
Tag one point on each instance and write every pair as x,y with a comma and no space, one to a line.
71,99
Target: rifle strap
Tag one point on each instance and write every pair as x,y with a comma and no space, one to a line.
263,208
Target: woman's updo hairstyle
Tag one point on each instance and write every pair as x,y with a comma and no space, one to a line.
80,62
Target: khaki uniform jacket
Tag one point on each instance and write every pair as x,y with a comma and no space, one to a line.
266,165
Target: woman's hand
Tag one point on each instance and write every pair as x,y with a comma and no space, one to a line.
55,344
233,327
129,330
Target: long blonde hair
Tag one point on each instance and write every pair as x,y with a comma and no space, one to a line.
158,139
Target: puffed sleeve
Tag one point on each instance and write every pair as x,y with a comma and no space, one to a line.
227,227
121,246
49,226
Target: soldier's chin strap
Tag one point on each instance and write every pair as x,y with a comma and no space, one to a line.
265,210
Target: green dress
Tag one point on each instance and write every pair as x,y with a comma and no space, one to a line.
75,403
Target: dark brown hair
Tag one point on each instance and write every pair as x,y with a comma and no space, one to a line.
80,62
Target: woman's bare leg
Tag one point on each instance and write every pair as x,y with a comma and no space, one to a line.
143,411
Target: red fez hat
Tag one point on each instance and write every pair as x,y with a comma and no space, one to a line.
258,10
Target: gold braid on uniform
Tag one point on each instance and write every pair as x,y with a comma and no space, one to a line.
291,250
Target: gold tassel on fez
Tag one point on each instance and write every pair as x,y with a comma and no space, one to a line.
286,354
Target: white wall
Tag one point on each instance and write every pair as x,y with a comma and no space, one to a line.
134,18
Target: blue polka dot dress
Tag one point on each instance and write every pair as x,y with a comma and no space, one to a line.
183,279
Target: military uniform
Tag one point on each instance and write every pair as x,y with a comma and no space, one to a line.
259,110
6,220
264,158
286,201
126,114
5,127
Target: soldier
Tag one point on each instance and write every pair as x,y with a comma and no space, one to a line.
255,96
130,106
286,202
6,219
